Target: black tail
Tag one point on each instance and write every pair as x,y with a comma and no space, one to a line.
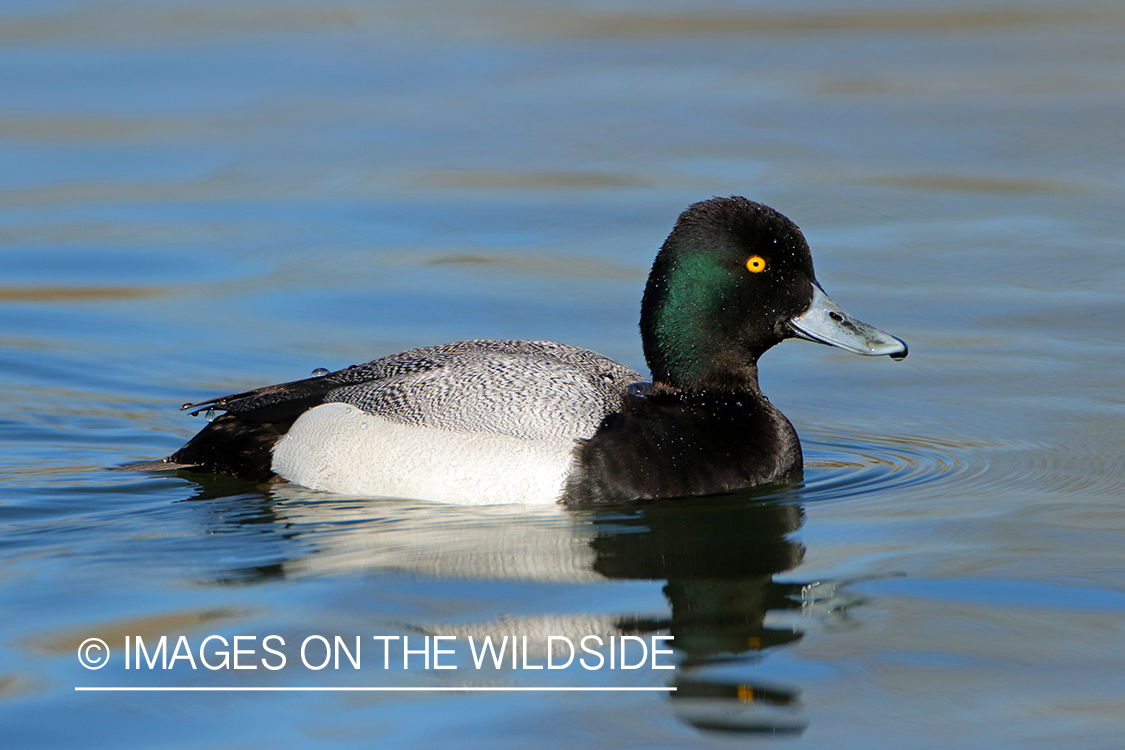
233,446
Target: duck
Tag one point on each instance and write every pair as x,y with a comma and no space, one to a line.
538,422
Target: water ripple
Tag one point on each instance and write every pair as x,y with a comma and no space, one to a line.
843,464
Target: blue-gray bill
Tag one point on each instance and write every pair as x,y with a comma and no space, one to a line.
825,322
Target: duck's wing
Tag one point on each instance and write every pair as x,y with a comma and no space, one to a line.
526,389
290,400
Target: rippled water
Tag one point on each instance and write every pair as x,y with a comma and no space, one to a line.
200,197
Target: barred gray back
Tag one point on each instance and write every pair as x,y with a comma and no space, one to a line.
526,389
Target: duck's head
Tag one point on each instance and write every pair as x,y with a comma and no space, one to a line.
733,279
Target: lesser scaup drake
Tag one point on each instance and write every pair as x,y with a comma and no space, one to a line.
538,422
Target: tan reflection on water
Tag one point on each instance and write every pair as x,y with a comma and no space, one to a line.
114,631
76,293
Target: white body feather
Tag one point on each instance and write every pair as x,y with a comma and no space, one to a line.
339,448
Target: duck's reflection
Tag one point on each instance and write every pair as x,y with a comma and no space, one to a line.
718,558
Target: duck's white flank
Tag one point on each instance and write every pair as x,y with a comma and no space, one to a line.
337,447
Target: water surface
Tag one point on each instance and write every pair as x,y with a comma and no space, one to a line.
201,197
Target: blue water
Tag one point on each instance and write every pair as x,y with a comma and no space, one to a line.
202,197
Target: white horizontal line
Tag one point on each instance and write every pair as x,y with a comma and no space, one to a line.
459,689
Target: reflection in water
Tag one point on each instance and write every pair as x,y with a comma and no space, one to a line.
717,557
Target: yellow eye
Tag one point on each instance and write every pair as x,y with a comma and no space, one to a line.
756,264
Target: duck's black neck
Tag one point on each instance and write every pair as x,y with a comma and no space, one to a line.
734,382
